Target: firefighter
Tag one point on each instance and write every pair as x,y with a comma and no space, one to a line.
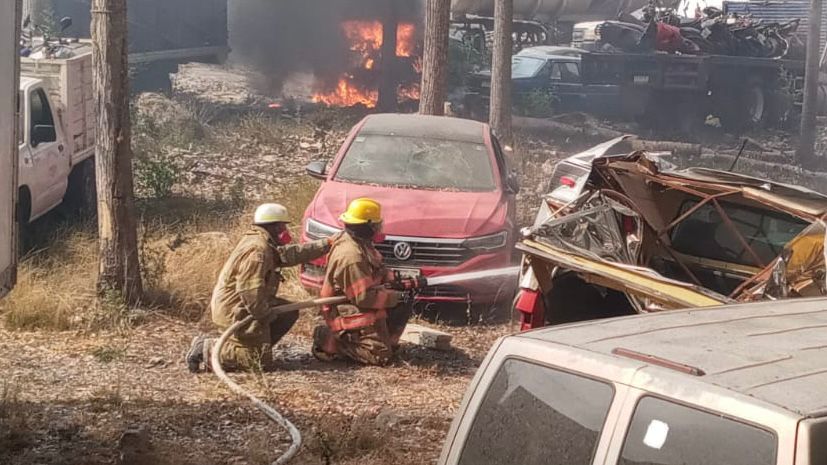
366,330
248,285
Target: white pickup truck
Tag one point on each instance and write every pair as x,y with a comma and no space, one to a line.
56,137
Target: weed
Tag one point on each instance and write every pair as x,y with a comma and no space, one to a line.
342,438
155,176
538,103
108,354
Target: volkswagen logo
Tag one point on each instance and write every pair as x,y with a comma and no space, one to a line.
402,251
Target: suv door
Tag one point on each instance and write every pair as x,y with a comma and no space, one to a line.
49,158
530,413
566,86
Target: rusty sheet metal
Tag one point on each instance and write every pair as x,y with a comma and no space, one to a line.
627,278
797,201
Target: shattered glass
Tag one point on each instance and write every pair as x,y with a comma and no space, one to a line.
593,231
416,162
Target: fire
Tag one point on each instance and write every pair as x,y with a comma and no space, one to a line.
348,94
405,40
409,92
365,39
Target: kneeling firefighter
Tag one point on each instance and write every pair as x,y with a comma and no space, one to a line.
366,330
248,285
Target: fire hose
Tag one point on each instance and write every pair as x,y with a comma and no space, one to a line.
269,411
399,283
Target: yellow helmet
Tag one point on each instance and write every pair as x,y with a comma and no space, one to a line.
362,211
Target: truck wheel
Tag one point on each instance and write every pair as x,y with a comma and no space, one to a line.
745,109
24,211
81,196
780,105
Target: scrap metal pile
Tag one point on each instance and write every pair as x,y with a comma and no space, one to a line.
712,33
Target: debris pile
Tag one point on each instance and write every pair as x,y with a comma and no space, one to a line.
713,33
216,84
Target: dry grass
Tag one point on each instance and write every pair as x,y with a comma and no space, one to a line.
184,244
15,433
56,284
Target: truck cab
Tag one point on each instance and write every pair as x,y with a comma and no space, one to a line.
740,385
45,161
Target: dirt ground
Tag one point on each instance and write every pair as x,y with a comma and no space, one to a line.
74,390
69,399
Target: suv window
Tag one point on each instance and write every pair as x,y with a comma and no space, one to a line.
704,233
666,433
565,72
533,414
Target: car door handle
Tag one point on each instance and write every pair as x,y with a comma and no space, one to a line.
60,148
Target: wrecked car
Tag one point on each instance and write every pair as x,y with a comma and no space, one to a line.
629,233
448,201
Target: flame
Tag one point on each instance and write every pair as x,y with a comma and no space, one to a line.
347,94
365,39
405,39
408,92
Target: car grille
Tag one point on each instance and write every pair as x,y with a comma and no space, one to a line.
425,252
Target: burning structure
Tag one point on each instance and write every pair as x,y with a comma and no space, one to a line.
358,52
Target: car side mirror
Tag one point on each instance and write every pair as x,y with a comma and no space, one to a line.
43,133
317,169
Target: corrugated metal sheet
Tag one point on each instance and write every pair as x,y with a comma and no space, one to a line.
780,10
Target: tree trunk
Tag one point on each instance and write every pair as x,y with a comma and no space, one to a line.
435,59
805,154
119,269
500,110
388,84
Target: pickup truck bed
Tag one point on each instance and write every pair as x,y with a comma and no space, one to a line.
744,92
69,83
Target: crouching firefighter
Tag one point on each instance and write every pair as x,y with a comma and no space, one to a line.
248,285
367,329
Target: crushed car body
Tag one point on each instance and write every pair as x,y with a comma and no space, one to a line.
630,233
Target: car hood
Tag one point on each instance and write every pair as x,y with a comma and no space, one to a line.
414,212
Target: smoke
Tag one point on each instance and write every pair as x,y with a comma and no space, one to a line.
282,38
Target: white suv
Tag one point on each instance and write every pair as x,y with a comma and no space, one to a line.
734,385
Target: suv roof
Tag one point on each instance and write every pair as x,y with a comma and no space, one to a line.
552,51
425,126
771,351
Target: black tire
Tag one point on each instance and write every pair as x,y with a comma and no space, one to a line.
81,195
745,108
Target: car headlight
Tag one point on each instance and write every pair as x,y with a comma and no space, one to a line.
494,241
316,230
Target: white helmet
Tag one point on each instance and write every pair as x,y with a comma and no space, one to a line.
267,213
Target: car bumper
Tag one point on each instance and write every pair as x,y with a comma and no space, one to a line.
484,291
